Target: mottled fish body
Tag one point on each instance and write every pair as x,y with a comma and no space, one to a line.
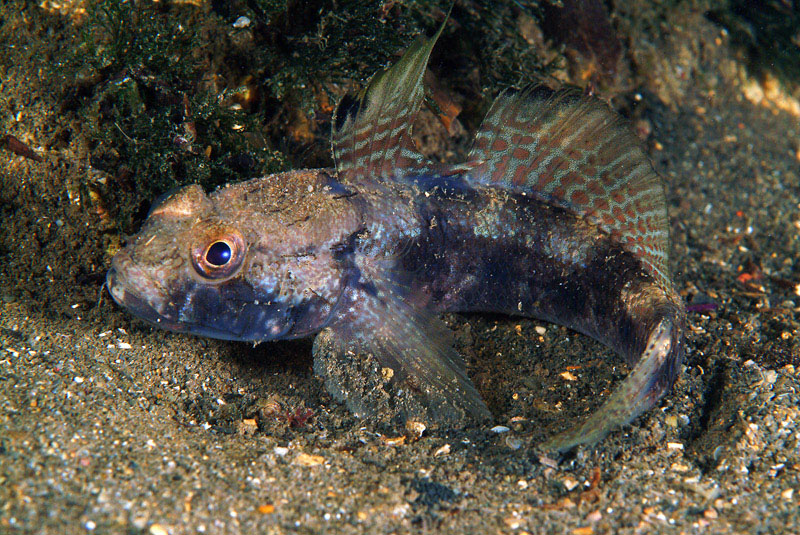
557,214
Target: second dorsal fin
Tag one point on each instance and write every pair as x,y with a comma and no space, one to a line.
575,152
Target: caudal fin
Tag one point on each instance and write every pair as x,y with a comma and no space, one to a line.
576,153
650,379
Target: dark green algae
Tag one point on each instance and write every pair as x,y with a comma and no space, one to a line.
170,94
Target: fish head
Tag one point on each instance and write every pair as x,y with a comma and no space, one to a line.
261,260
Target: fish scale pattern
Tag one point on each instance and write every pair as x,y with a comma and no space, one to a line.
576,153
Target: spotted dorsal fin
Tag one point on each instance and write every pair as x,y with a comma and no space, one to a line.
371,135
575,152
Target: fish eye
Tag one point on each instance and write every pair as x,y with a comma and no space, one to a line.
218,253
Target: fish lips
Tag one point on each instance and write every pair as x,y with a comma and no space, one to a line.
133,302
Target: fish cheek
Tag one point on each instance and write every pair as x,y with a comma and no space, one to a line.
304,291
228,311
325,281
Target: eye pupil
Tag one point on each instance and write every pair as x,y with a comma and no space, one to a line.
218,254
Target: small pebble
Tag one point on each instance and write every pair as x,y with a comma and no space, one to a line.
594,516
415,428
679,467
569,376
394,441
500,429
248,426
513,443
547,461
305,459
241,22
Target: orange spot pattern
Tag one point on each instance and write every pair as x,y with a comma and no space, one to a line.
573,150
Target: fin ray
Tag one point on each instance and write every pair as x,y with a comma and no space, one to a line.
652,376
416,346
575,152
371,137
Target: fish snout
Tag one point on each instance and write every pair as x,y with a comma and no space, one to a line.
132,288
118,279
114,289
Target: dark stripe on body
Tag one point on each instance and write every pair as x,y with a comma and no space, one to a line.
541,262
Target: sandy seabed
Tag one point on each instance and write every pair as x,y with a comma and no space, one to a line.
110,426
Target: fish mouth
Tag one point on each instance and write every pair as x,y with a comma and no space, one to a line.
121,293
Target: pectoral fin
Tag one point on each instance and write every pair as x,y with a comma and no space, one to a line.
390,356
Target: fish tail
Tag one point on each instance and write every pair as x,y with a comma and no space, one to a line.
655,369
574,152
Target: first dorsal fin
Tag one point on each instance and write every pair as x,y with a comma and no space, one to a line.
371,135
575,152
